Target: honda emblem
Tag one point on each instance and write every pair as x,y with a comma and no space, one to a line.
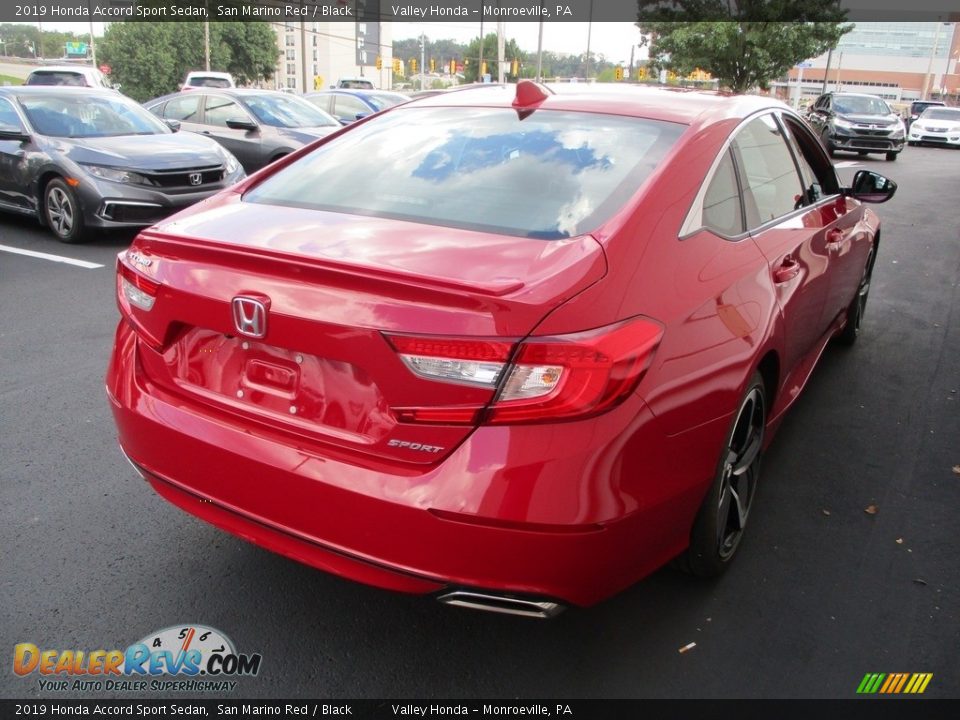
196,178
250,316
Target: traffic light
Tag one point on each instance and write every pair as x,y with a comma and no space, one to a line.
618,73
515,67
397,66
483,69
379,63
453,67
433,65
413,64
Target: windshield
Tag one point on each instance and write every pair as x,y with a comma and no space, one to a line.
382,101
941,113
549,174
860,106
286,111
87,115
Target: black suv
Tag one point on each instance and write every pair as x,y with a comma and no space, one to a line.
916,110
858,123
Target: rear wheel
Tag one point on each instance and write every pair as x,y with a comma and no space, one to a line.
62,212
892,155
851,331
720,523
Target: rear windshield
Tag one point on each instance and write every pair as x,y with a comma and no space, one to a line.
549,174
57,78
210,82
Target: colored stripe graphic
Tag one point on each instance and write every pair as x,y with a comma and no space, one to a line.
894,683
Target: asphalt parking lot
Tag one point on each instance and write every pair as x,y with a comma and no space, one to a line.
823,592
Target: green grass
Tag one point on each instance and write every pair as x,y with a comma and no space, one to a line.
10,80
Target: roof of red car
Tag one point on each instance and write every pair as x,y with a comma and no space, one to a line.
680,105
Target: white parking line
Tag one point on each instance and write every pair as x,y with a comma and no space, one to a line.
52,258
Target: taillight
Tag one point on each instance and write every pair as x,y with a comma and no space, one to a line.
138,290
546,379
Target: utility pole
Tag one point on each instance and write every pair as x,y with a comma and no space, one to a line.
480,62
826,72
540,52
927,79
423,57
303,49
500,42
589,33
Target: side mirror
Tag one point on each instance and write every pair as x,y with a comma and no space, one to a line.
173,124
871,187
241,124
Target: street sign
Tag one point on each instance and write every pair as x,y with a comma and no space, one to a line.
75,49
805,64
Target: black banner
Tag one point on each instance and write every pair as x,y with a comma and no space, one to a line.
868,708
447,11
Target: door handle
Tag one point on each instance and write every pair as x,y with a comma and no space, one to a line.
787,271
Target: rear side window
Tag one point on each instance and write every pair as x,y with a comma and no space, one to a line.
56,78
183,108
547,174
722,211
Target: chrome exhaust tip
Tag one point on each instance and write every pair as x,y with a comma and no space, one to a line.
504,604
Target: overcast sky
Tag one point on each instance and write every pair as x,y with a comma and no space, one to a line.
611,39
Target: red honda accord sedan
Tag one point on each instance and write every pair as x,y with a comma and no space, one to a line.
517,346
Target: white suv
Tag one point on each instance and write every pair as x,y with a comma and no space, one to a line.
207,79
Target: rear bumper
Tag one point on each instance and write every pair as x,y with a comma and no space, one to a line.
494,515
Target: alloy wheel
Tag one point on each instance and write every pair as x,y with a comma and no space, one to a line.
741,469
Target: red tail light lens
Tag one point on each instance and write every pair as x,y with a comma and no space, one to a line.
548,379
575,376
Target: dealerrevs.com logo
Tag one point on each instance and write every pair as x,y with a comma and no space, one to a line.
180,658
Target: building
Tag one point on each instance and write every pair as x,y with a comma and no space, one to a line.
899,61
334,50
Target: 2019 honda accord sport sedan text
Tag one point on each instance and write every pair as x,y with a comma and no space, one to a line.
514,347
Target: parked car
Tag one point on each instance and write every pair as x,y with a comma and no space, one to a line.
207,79
258,126
513,348
937,126
355,84
916,110
70,75
858,123
80,159
348,106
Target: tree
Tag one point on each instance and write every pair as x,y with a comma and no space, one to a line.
472,56
151,59
752,47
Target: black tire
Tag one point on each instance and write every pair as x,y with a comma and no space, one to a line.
857,307
718,528
62,213
891,156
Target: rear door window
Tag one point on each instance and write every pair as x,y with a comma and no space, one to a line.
771,186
